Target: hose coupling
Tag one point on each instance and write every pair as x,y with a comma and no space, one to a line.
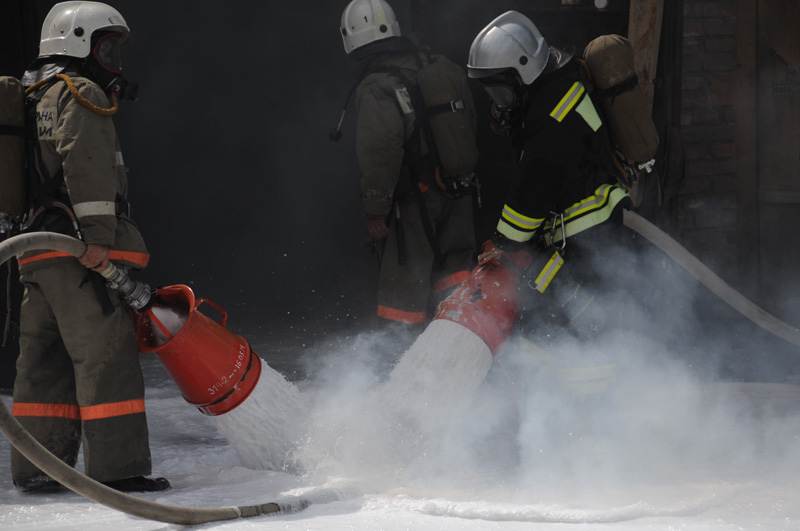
135,294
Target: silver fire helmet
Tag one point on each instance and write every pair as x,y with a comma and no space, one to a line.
511,41
366,21
69,26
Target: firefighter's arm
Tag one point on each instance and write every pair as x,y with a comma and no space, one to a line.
380,136
86,143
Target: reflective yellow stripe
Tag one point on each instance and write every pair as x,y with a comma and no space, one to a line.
568,101
548,272
583,215
512,233
517,227
523,222
591,211
589,113
599,197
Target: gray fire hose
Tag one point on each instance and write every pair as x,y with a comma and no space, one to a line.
709,279
85,486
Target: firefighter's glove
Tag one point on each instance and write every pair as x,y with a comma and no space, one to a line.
490,253
95,257
376,225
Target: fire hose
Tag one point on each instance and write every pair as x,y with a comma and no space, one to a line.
709,279
89,488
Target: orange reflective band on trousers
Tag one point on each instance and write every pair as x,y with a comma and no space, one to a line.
451,280
401,316
73,412
140,259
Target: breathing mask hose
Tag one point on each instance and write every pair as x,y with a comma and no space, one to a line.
336,133
83,485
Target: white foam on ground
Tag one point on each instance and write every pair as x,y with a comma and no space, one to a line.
744,477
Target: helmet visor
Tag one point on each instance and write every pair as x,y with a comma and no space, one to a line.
106,52
501,88
503,96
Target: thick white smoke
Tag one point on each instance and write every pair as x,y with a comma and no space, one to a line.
635,412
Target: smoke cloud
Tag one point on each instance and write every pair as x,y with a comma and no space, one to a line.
645,415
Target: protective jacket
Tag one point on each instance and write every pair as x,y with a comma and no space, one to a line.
396,173
386,121
80,144
565,203
563,168
78,374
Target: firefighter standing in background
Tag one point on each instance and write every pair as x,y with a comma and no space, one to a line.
427,250
566,204
78,374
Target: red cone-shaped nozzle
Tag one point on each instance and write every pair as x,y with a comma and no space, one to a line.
214,368
488,302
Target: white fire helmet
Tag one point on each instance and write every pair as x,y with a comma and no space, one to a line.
68,28
509,41
366,21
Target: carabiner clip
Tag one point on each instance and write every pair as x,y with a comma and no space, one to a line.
558,219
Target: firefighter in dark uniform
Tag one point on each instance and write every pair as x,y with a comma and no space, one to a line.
566,204
78,374
427,250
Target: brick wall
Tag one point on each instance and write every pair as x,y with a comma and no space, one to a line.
707,201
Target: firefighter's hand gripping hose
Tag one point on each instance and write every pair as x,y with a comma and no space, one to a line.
85,486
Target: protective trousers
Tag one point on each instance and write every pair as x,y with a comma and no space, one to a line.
586,294
405,290
79,378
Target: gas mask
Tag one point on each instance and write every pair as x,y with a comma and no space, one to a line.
508,96
104,66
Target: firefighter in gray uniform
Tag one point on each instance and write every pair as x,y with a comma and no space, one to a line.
78,374
427,233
